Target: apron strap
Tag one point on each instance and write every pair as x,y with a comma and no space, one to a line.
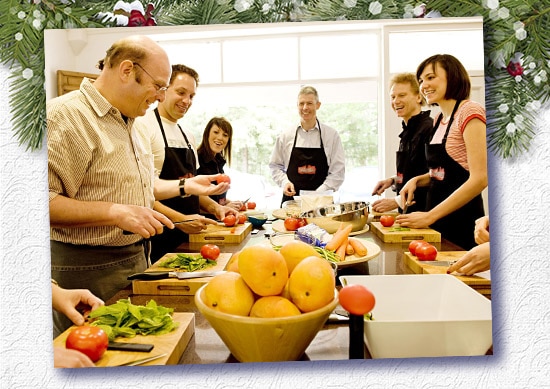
157,114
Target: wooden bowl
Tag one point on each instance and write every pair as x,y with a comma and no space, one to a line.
253,339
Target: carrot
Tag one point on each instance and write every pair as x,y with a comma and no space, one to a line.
338,238
341,251
358,246
349,249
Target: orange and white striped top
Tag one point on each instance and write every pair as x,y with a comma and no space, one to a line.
94,155
455,146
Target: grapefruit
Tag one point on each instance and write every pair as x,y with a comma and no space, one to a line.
263,269
296,250
311,284
227,292
274,306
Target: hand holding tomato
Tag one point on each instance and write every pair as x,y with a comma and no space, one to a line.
89,340
223,178
387,220
230,220
210,251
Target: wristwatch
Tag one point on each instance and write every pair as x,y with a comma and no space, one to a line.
182,188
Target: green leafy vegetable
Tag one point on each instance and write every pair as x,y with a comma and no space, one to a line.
128,320
187,262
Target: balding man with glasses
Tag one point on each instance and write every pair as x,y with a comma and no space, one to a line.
101,178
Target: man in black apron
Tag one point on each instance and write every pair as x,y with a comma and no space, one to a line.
178,163
312,165
407,102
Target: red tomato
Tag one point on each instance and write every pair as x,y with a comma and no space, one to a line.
426,252
414,245
241,218
387,220
210,251
223,178
302,222
90,340
356,299
230,220
292,223
251,205
243,207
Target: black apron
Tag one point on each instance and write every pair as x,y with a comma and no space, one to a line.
446,175
406,170
307,167
178,163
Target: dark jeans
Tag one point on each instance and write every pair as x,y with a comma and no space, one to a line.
101,269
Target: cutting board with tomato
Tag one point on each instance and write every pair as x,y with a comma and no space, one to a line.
376,215
173,344
395,234
174,286
220,234
482,285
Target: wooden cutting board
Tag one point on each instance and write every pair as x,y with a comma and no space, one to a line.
482,285
173,344
389,236
219,234
376,215
173,286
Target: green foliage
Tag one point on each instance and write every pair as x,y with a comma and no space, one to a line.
128,320
515,29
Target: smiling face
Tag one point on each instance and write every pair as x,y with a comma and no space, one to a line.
433,83
179,97
404,101
217,139
150,87
307,107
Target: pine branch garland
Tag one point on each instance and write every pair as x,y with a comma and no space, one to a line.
517,47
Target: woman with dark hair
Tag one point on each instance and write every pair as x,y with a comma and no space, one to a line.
456,154
214,151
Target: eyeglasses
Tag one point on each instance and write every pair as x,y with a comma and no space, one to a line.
155,84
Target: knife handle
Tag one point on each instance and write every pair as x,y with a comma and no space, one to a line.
149,276
121,346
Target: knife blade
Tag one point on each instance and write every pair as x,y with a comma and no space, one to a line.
438,263
405,207
143,360
181,275
126,232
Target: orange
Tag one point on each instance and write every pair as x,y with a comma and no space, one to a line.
274,306
263,269
285,293
227,292
233,264
296,250
311,284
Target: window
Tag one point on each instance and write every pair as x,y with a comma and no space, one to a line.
252,76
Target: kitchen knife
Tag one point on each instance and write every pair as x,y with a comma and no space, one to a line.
181,275
122,346
142,361
438,263
125,232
